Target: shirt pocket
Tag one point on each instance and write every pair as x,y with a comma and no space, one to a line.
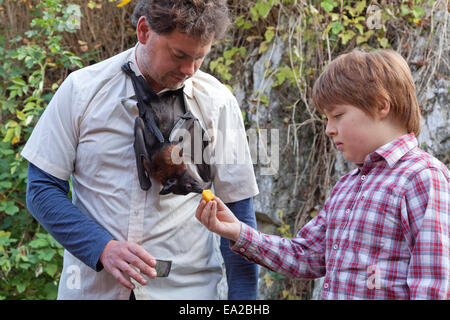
376,218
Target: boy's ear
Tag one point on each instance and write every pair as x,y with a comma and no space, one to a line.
383,109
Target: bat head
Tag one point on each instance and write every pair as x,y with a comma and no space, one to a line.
168,168
181,184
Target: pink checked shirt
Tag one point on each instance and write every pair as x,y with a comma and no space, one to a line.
382,234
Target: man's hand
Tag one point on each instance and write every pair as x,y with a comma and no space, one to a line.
118,257
216,216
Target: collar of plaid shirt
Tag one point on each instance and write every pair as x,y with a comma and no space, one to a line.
391,152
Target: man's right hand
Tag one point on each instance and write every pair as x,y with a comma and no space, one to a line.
118,257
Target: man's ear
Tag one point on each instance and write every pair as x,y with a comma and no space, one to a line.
384,107
143,30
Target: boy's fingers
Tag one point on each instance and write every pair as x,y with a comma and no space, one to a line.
220,204
212,214
202,212
218,199
201,206
207,213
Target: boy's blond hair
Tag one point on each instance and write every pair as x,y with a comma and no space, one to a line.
367,79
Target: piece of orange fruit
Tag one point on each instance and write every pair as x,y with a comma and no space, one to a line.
207,195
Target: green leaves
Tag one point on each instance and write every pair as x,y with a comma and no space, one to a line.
328,5
284,73
223,65
337,27
31,267
30,260
51,269
262,8
9,208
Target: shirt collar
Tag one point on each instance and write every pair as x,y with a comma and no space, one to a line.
187,89
391,152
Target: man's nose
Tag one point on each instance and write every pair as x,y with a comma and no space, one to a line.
188,67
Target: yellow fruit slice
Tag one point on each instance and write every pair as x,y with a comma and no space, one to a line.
207,195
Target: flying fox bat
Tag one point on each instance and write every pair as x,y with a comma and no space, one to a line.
154,159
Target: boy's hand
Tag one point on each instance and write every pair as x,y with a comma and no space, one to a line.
216,216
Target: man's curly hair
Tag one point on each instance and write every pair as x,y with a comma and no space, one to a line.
205,19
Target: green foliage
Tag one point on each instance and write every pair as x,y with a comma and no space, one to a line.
30,259
223,65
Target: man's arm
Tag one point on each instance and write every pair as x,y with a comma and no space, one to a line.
242,275
48,202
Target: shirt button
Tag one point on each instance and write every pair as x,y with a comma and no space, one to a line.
326,285
242,250
335,247
347,211
136,212
363,177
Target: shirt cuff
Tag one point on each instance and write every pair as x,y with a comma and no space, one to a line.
98,250
246,244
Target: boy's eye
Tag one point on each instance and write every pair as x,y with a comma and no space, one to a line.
336,116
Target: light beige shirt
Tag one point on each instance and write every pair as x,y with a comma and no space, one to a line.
86,133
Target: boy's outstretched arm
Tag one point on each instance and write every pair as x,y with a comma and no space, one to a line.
300,257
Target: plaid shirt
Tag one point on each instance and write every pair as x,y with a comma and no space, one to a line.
382,234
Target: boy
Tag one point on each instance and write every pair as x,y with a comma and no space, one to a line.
384,231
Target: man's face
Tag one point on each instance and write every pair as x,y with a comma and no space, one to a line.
168,60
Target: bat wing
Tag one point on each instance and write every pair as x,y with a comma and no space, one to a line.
192,129
144,143
153,137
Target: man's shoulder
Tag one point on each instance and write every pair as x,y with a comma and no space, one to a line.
99,73
209,85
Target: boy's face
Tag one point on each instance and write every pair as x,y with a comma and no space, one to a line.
354,132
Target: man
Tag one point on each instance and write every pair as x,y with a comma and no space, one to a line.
114,231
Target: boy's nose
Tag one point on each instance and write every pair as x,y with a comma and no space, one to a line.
330,130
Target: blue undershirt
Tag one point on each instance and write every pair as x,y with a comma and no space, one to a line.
47,200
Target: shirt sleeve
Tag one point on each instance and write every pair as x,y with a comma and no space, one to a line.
242,275
300,257
48,202
53,142
425,216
